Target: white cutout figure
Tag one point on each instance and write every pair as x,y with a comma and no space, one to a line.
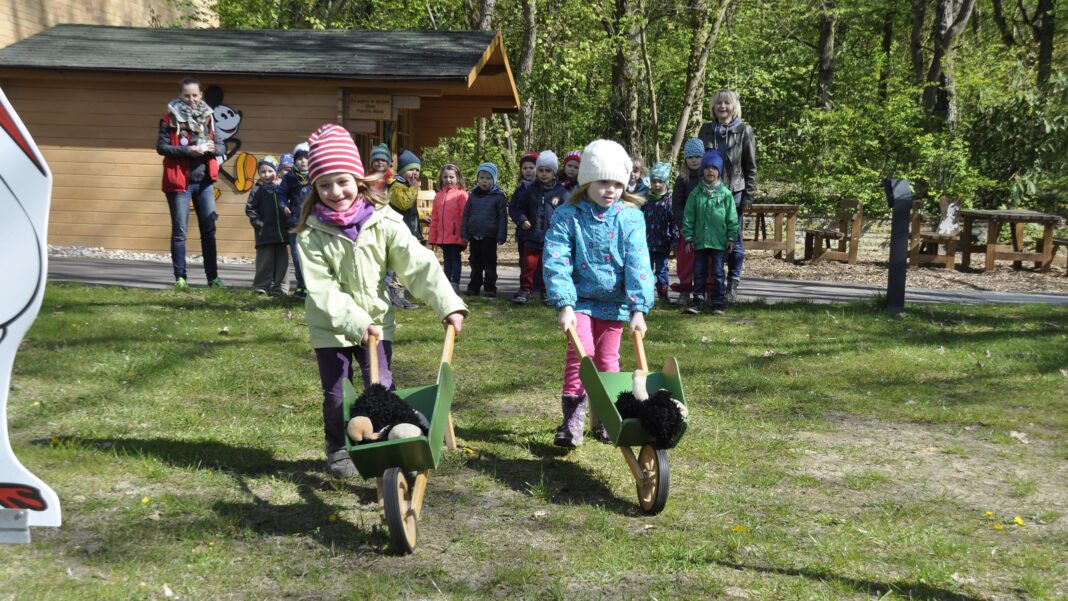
25,193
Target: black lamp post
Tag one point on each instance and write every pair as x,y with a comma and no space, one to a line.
899,197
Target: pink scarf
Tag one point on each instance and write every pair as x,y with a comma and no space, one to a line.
350,220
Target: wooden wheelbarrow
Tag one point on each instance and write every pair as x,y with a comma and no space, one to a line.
652,476
401,467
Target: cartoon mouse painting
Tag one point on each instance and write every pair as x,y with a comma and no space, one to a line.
25,193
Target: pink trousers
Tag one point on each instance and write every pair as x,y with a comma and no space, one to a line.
600,340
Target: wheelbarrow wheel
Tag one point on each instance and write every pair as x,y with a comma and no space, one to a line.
656,479
401,516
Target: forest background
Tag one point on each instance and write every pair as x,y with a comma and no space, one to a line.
967,98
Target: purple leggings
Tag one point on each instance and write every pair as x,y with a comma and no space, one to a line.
335,366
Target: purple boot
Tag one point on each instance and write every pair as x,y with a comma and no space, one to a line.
569,434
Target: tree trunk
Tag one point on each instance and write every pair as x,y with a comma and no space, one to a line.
625,74
825,51
1003,26
939,95
508,134
700,48
1044,16
526,66
654,117
484,23
919,19
888,47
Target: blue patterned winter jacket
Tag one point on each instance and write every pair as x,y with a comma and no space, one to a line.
596,260
660,229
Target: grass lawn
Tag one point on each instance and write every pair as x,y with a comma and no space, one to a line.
834,452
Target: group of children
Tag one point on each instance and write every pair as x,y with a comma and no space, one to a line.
586,233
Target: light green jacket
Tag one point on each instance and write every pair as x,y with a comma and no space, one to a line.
346,281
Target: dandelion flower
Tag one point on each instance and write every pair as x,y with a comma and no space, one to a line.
146,501
990,515
331,518
1019,520
999,527
740,528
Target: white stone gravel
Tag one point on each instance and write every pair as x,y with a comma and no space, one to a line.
128,255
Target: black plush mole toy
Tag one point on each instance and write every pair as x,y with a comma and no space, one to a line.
379,414
662,416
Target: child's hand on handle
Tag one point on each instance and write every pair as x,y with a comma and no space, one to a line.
455,320
689,247
730,247
637,323
372,330
567,318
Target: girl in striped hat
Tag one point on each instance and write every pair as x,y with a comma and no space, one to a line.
347,238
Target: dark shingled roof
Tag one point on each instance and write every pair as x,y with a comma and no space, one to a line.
336,54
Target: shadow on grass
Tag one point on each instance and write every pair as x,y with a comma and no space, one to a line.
310,518
551,477
909,590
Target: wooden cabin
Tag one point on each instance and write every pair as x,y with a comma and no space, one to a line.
92,97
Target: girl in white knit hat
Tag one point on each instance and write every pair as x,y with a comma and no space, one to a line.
597,273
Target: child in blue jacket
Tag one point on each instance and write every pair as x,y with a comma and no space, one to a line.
294,189
596,263
660,229
484,226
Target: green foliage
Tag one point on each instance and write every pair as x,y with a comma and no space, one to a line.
1010,148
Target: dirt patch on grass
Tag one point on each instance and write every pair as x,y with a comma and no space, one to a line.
1023,477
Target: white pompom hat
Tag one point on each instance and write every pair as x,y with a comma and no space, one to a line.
604,159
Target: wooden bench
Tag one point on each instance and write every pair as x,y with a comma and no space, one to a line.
1058,243
923,245
850,220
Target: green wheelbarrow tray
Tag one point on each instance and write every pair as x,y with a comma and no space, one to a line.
604,388
401,467
409,454
652,475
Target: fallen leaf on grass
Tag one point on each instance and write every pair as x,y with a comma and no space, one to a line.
769,353
154,516
704,338
540,514
733,340
941,350
167,592
649,527
225,331
1064,372
287,315
1019,437
961,579
988,355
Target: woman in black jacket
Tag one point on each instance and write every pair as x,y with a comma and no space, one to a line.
734,140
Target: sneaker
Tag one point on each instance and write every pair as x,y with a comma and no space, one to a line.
260,290
339,464
718,310
521,297
181,285
217,283
695,306
276,292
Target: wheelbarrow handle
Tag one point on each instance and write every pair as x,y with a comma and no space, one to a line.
639,350
573,336
450,344
372,356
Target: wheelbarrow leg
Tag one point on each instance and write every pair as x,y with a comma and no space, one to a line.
450,436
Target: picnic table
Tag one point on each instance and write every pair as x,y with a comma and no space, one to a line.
778,243
1014,252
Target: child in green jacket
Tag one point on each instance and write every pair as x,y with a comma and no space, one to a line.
709,227
347,237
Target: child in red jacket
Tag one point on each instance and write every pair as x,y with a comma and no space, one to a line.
446,218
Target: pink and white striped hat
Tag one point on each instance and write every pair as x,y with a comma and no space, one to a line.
331,150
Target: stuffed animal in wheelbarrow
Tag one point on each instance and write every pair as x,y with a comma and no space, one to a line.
379,414
661,415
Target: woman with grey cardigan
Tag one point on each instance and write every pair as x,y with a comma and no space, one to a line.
734,140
